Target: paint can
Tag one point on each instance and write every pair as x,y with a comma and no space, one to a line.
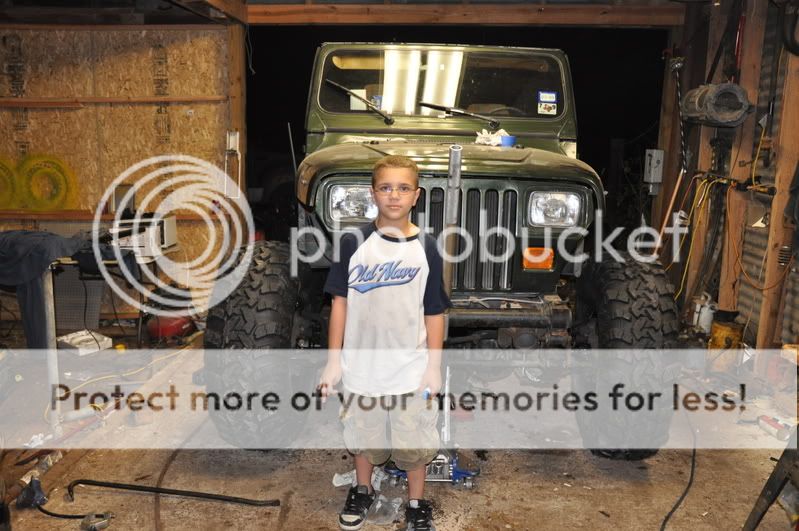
774,427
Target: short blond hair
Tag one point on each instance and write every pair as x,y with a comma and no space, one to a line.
395,161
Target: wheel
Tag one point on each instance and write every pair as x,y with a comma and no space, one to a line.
468,483
257,316
633,309
6,378
511,111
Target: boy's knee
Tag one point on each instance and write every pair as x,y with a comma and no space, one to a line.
376,456
411,459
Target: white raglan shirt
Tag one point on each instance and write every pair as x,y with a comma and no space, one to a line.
390,285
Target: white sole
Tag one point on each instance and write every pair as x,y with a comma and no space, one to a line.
353,527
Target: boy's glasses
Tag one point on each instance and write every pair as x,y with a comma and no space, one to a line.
403,189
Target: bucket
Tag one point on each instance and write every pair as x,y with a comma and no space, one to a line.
508,140
723,346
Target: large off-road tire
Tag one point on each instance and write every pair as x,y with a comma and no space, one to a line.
6,378
633,308
257,316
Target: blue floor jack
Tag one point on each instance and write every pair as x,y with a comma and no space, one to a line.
445,467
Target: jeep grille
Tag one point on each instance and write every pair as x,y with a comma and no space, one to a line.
500,206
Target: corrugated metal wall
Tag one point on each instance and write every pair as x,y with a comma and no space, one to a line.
759,205
790,319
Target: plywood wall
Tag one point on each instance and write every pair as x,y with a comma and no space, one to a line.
60,161
96,142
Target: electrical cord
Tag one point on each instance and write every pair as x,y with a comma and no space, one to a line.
690,477
757,154
642,134
123,375
752,301
61,515
690,214
248,48
116,315
700,205
684,199
85,305
712,250
718,179
738,255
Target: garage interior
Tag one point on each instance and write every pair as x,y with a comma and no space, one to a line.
90,88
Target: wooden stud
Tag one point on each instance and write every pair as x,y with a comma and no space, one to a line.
718,22
689,46
668,134
237,79
729,284
467,14
787,150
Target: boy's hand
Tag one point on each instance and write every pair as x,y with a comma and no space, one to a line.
431,381
330,377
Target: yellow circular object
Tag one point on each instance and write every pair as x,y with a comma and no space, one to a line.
45,184
8,185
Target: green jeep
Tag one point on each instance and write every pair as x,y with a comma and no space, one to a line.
371,100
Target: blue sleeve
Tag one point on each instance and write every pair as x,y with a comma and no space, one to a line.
337,277
436,300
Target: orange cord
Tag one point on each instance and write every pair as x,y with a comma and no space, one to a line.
738,256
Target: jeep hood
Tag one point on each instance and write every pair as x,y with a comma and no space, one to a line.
433,160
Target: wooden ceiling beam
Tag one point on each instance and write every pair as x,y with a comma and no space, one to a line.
216,9
235,9
466,14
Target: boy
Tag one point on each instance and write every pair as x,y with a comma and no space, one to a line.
388,296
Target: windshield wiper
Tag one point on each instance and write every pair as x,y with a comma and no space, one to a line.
492,123
387,118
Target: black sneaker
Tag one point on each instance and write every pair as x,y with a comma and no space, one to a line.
353,515
420,517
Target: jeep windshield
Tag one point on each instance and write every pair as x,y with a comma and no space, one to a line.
512,83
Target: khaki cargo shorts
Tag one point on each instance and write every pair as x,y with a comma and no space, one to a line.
412,440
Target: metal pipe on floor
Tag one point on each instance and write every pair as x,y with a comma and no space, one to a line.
173,492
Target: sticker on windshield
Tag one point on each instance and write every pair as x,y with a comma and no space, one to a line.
547,97
547,102
547,108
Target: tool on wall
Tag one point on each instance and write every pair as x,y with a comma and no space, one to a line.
722,105
789,15
233,151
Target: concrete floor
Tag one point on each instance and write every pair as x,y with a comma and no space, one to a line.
517,490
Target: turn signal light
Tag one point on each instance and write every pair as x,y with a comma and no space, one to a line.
538,258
